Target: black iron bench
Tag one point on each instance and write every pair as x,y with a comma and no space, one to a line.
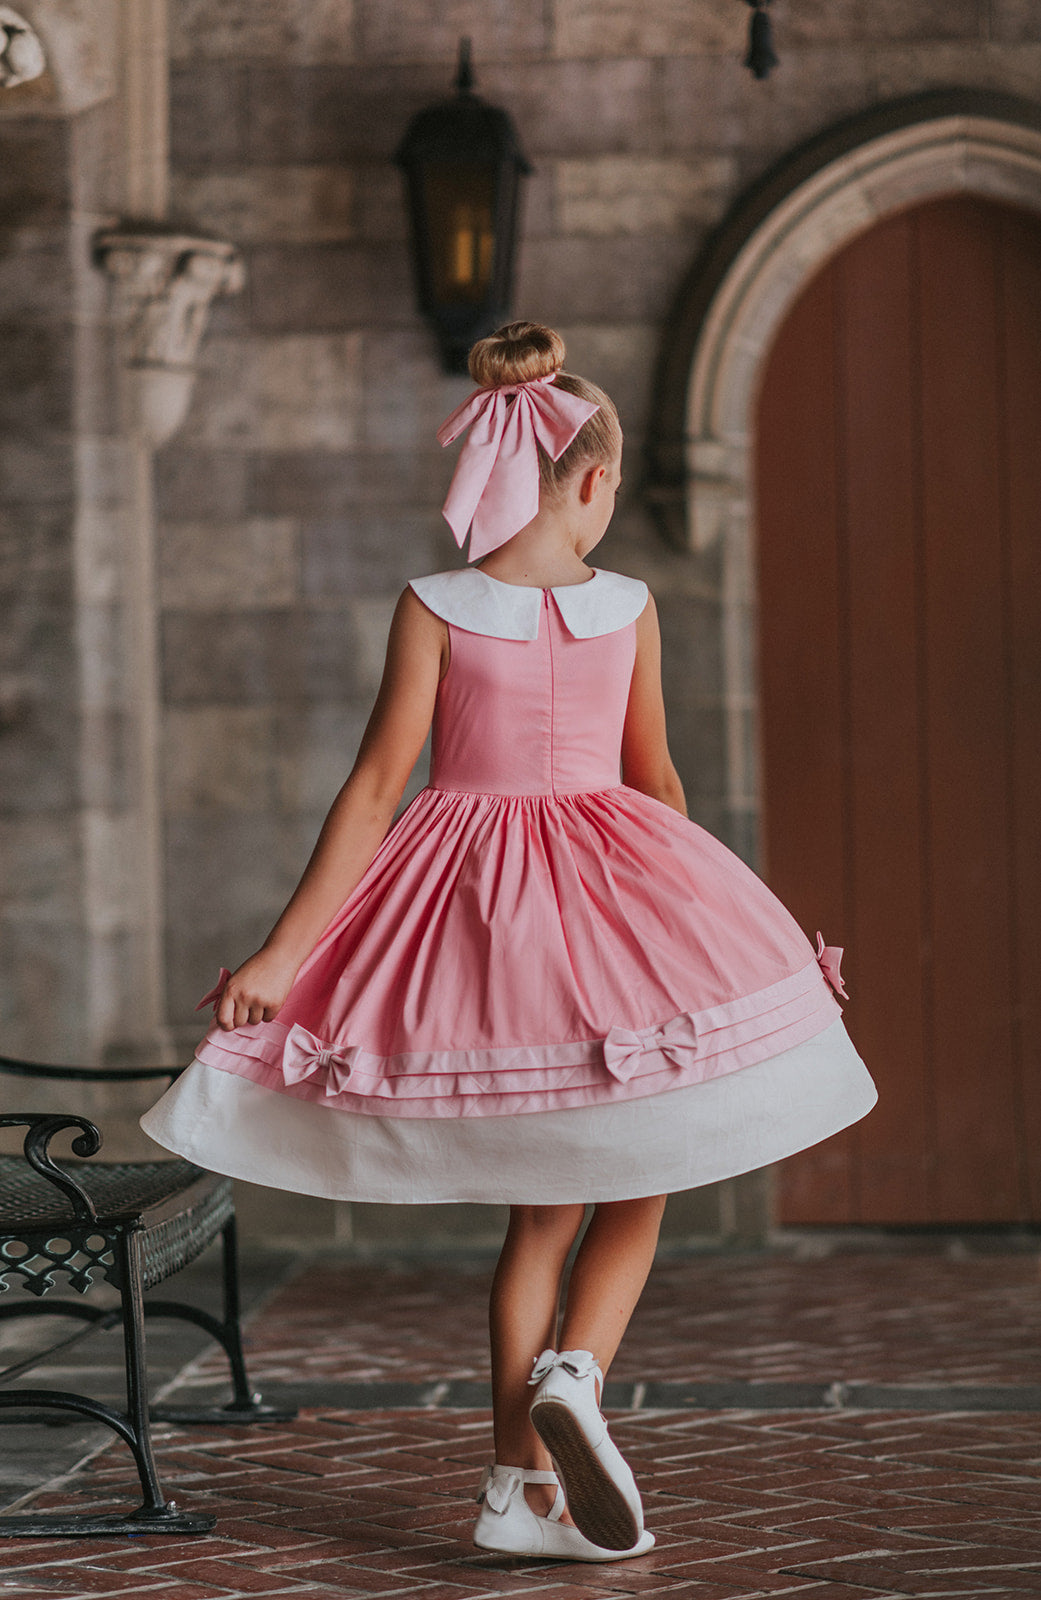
136,1223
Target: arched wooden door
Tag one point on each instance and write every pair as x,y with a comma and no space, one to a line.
899,568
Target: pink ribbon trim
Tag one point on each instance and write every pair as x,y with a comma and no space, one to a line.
215,993
624,1048
829,957
495,487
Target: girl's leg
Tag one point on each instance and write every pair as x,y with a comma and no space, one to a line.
608,1275
522,1318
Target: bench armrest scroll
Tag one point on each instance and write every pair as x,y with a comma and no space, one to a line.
40,1130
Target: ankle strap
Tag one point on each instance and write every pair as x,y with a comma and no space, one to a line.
498,1484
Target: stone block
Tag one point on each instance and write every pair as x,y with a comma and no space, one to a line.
231,657
42,993
727,110
287,30
40,876
290,204
208,122
317,746
620,358
370,553
594,106
407,396
692,1215
35,469
843,21
36,287
320,484
596,28
632,279
322,114
38,749
463,1227
909,68
218,758
295,391
34,174
430,30
608,195
380,207
331,666
371,626
211,566
36,369
35,556
226,878
201,485
293,288
268,1215
1014,21
691,635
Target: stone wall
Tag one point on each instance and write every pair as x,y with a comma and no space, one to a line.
304,487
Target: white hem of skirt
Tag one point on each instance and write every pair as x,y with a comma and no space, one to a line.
661,1143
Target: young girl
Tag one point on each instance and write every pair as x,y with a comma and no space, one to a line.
543,986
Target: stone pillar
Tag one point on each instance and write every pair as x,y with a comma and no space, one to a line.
162,285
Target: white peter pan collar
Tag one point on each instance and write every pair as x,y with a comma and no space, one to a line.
472,600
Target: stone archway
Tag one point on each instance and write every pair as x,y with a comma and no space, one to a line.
700,470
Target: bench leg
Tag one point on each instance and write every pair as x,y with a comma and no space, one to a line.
245,1405
155,1514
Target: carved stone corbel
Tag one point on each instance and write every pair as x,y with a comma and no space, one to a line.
165,283
21,53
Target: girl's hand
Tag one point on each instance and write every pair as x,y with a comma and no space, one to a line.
255,992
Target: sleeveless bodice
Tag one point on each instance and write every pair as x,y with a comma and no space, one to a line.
532,716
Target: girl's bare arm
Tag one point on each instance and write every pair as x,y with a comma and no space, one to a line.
646,763
417,655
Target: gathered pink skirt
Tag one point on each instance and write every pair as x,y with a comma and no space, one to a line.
507,954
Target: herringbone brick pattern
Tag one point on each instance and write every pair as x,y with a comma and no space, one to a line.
916,1318
827,1504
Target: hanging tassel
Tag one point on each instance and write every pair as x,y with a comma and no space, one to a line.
761,58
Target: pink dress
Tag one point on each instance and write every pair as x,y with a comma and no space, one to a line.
547,986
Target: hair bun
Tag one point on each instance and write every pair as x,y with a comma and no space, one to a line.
516,353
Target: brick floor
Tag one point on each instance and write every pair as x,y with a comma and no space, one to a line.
831,1502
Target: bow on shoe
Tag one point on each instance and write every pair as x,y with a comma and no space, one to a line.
580,1363
623,1047
829,957
497,1489
215,993
303,1056
495,486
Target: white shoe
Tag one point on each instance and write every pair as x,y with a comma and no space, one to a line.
602,1496
507,1523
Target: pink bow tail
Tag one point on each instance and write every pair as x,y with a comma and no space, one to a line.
829,957
495,488
214,995
304,1056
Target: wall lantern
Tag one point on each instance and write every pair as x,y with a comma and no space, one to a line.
463,165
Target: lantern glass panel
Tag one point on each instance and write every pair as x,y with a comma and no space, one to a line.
460,209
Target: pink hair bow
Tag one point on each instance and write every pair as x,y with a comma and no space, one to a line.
830,958
495,487
214,995
304,1056
623,1048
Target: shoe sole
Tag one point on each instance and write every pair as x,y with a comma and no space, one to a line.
598,1507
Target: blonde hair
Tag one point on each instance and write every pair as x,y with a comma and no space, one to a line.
523,351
